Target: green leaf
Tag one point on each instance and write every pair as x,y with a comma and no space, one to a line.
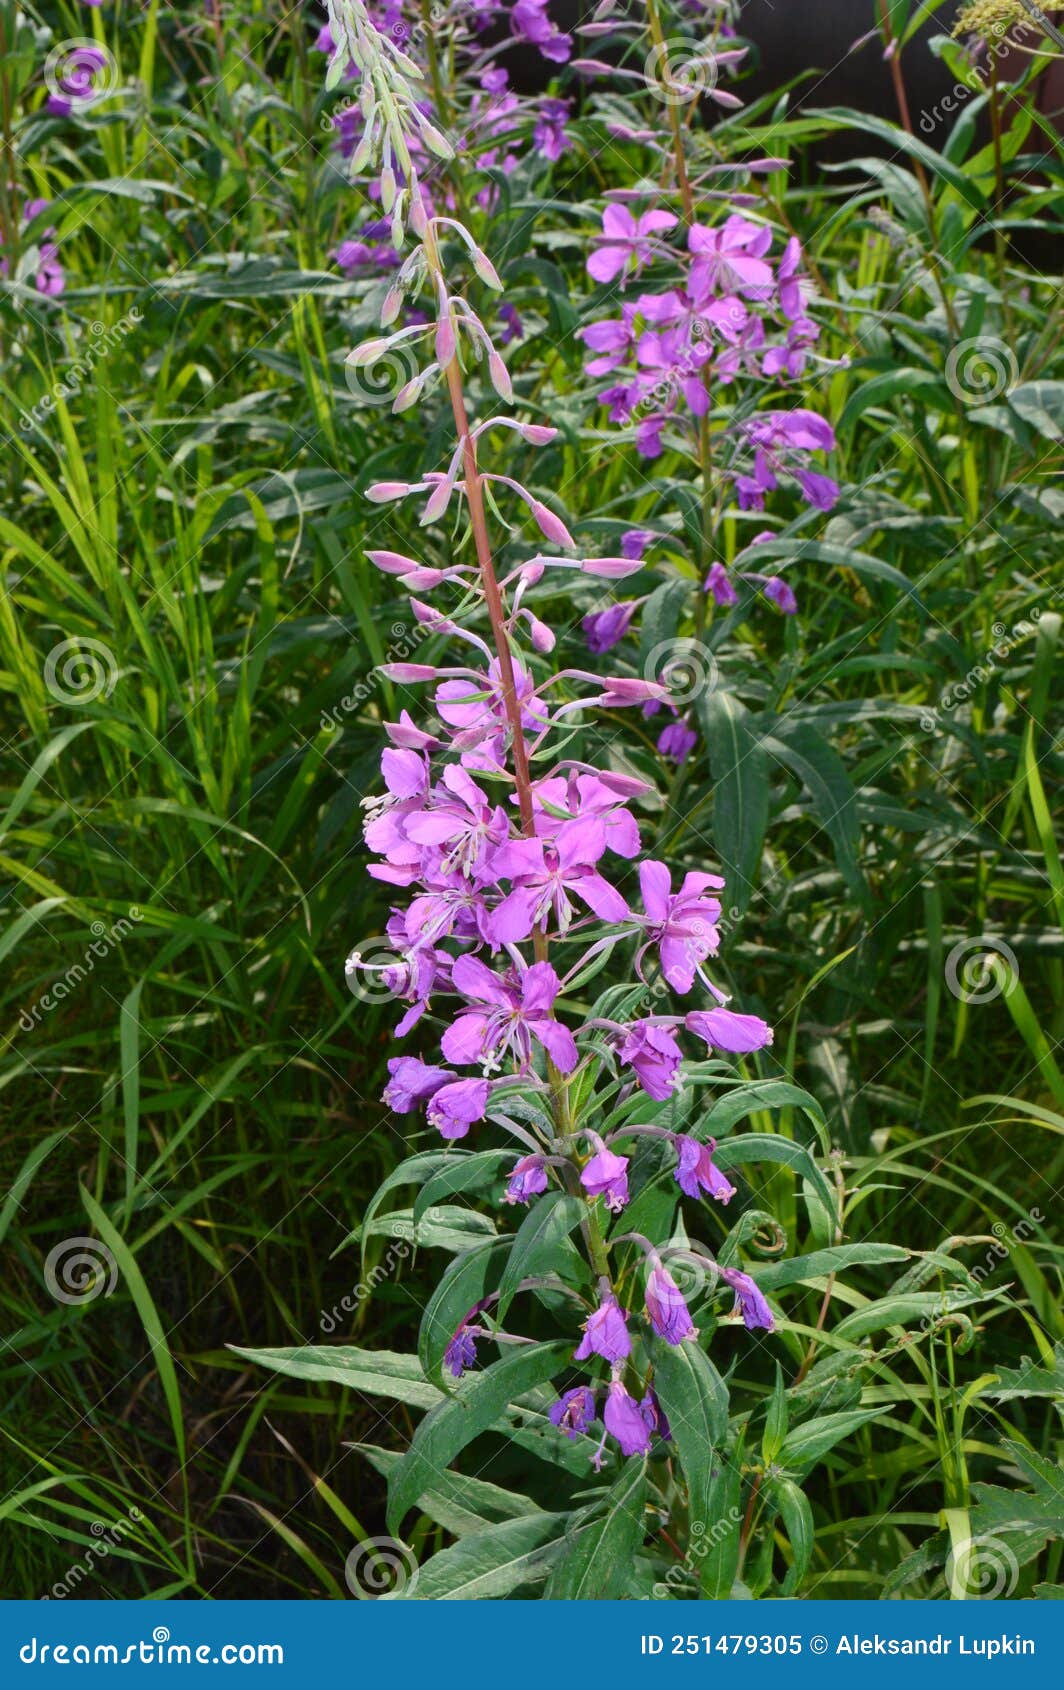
467,1172
598,1565
822,771
805,1444
695,1399
766,1147
489,1564
460,1504
759,1094
467,1281
818,1264
378,1373
455,1422
537,1247
797,1517
740,770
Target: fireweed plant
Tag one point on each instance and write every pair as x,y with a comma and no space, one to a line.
507,849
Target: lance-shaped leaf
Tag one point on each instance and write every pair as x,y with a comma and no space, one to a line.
456,1421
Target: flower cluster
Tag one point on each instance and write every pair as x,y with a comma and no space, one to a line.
510,856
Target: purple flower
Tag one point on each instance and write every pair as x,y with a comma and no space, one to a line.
461,1352
457,1105
790,292
605,1333
529,22
654,1054
731,259
778,591
509,1014
528,1179
606,1175
574,1410
513,329
682,924
76,79
696,1170
725,1029
749,1301
655,1416
626,243
666,1309
625,1420
719,584
604,629
549,133
804,430
635,542
412,1081
677,741
544,873
461,822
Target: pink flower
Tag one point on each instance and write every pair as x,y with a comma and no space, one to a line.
725,1029
505,1016
625,243
682,924
544,873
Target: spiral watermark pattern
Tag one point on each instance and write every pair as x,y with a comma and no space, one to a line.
375,971
380,378
79,671
982,969
695,1275
983,1568
79,73
680,70
380,1567
979,371
78,1270
685,667
160,1634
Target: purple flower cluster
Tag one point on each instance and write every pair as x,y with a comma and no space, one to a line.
510,857
728,311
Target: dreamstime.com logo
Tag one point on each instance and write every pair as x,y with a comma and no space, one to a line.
77,376
104,940
159,1652
703,1539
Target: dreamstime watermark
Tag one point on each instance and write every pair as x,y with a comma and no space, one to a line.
1005,642
981,369
77,375
104,941
80,670
79,73
78,1270
330,1319
981,969
1002,38
158,1652
1006,1239
380,1567
685,667
984,1568
109,1536
680,70
406,638
702,1540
